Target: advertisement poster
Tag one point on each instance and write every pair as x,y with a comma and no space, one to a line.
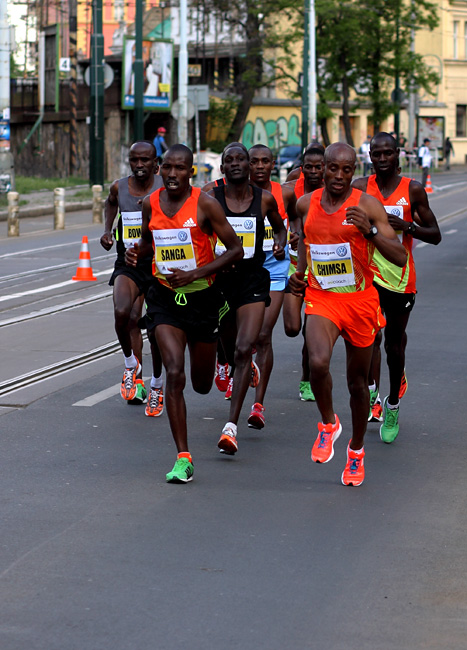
5,130
157,84
432,128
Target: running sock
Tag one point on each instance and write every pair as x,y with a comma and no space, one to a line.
185,454
356,451
372,387
131,362
156,382
393,407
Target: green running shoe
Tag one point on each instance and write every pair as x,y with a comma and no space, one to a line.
141,395
181,473
390,428
306,394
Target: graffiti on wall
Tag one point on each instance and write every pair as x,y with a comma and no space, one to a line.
273,133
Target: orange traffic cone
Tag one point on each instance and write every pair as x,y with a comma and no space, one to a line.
84,270
428,188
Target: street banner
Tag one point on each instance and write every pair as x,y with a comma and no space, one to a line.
158,66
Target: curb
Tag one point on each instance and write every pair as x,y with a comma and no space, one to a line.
44,210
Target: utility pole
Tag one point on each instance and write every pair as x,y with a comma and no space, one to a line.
305,76
6,157
138,69
183,76
96,131
312,72
73,8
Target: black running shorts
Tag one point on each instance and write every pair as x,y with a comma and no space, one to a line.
393,302
141,275
198,314
245,286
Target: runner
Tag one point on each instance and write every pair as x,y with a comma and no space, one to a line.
311,179
341,227
402,198
261,166
130,284
184,306
246,285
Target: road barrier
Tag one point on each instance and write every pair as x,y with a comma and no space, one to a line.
13,210
97,204
59,208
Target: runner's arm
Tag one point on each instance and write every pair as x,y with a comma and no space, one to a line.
269,206
428,230
297,283
110,212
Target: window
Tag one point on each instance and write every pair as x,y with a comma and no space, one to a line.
119,11
461,113
455,37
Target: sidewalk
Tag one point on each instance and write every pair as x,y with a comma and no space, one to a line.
41,203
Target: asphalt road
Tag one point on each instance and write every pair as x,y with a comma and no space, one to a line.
265,550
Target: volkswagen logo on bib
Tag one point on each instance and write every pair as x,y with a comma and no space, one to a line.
342,251
248,224
182,236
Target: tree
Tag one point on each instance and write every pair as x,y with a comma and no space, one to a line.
364,45
270,31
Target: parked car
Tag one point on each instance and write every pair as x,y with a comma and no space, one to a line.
288,157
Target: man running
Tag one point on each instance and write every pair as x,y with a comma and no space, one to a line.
184,305
341,228
130,284
261,166
311,179
401,198
246,285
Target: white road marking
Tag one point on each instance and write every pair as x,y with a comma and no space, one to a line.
41,248
451,232
102,395
50,287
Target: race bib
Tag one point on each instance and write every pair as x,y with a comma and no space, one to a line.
131,227
397,211
245,229
268,241
332,265
173,249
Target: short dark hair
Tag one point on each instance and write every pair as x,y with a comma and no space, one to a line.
386,136
313,149
261,146
182,149
231,145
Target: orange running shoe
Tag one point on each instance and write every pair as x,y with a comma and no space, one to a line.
228,441
354,472
128,385
255,374
404,385
222,376
376,412
228,392
323,449
256,417
155,404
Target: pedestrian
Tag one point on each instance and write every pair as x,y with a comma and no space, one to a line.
341,228
424,160
311,179
261,166
448,150
402,198
131,283
365,152
184,305
159,142
246,284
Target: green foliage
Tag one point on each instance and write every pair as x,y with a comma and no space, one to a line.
220,116
27,184
15,70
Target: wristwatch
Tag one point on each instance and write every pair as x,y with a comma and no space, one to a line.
372,233
411,228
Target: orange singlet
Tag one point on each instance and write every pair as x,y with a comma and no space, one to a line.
340,282
178,241
299,188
